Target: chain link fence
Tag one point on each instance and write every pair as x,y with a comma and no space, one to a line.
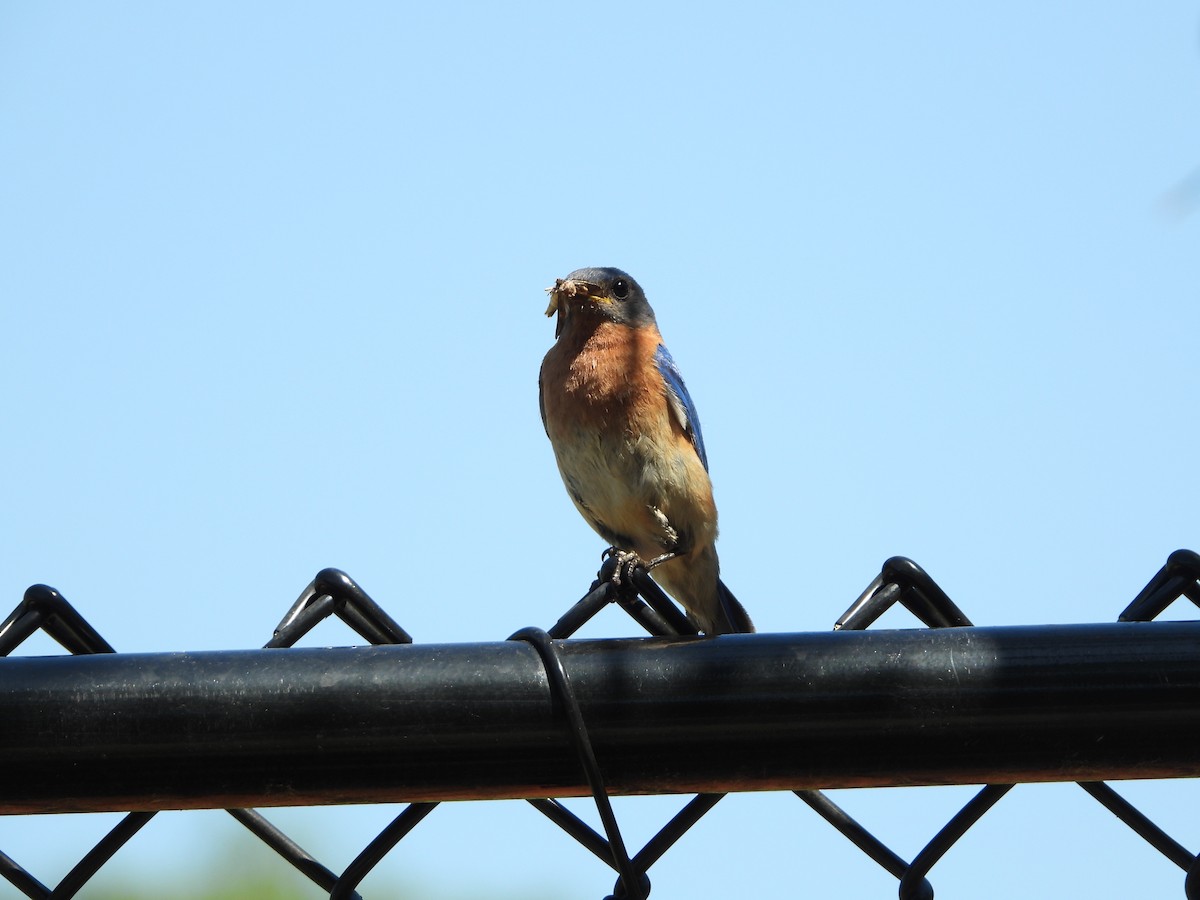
333,593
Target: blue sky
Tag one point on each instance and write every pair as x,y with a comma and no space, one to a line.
272,298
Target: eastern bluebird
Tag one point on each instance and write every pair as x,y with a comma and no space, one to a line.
628,442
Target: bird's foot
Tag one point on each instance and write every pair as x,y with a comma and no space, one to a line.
626,561
659,560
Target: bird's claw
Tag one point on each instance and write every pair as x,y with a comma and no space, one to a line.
627,562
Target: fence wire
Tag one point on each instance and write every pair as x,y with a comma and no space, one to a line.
333,593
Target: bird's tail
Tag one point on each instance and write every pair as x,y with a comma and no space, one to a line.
737,620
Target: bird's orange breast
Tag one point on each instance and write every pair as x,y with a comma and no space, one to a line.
602,378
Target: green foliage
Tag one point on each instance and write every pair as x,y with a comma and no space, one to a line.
254,889
241,879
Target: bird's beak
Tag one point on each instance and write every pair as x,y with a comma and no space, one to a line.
569,287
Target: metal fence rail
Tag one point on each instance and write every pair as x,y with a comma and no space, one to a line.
552,718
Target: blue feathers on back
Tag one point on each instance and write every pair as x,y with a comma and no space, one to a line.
681,401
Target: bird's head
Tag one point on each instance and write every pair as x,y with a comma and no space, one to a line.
605,293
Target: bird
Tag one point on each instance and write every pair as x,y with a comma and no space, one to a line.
628,444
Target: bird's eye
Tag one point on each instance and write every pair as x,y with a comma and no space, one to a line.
620,289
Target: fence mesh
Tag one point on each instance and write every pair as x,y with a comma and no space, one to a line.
333,593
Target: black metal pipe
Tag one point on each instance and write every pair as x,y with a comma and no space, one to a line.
477,721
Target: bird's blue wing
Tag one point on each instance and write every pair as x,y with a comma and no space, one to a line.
681,401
